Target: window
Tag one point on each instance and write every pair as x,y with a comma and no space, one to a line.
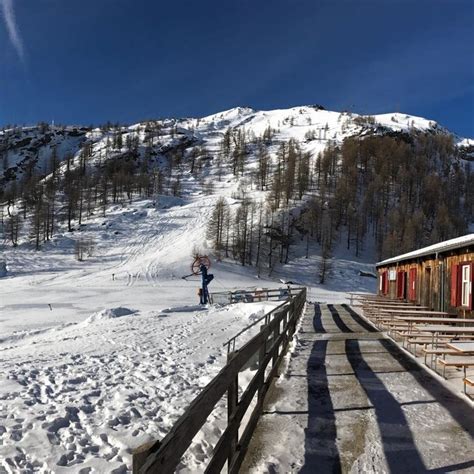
461,285
383,282
466,286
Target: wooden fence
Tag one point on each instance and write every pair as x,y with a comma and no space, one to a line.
251,296
270,344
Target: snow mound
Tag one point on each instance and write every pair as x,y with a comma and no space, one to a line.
110,313
184,309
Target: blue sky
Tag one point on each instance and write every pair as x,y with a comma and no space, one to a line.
90,61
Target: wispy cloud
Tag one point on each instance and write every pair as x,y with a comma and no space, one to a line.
12,27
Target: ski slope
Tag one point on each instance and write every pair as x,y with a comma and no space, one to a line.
100,356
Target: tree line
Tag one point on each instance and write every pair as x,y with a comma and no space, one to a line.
397,192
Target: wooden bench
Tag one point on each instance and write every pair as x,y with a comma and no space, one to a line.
438,351
421,338
463,362
391,326
468,381
414,338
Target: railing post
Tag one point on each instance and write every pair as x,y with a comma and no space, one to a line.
261,355
140,454
232,402
276,333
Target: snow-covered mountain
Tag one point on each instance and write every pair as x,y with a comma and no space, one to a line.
171,149
103,353
312,126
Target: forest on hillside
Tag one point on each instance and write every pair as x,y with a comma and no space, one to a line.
399,191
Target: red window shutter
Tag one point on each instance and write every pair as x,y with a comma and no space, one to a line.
400,284
386,283
455,285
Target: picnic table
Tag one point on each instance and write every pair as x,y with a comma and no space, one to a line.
425,319
464,348
387,303
435,331
411,320
415,312
390,314
399,307
467,349
374,298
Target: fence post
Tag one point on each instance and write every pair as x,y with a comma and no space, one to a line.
261,355
232,402
140,455
276,333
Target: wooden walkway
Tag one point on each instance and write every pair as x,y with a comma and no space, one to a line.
352,401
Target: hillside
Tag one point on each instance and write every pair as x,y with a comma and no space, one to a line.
99,226
296,163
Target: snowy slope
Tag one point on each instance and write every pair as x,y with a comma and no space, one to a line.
81,388
97,357
20,146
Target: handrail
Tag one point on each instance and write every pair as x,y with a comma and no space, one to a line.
257,294
245,329
270,344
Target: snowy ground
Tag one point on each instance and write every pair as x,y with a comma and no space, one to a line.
83,394
98,357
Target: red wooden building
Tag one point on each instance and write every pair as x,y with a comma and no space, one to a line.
440,276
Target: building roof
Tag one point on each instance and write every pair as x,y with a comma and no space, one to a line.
441,247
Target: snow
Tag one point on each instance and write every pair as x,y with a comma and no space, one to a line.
100,356
440,247
403,122
109,313
466,142
40,146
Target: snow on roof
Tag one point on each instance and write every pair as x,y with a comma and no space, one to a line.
440,247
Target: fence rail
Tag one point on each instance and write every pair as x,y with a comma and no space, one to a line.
251,296
270,345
